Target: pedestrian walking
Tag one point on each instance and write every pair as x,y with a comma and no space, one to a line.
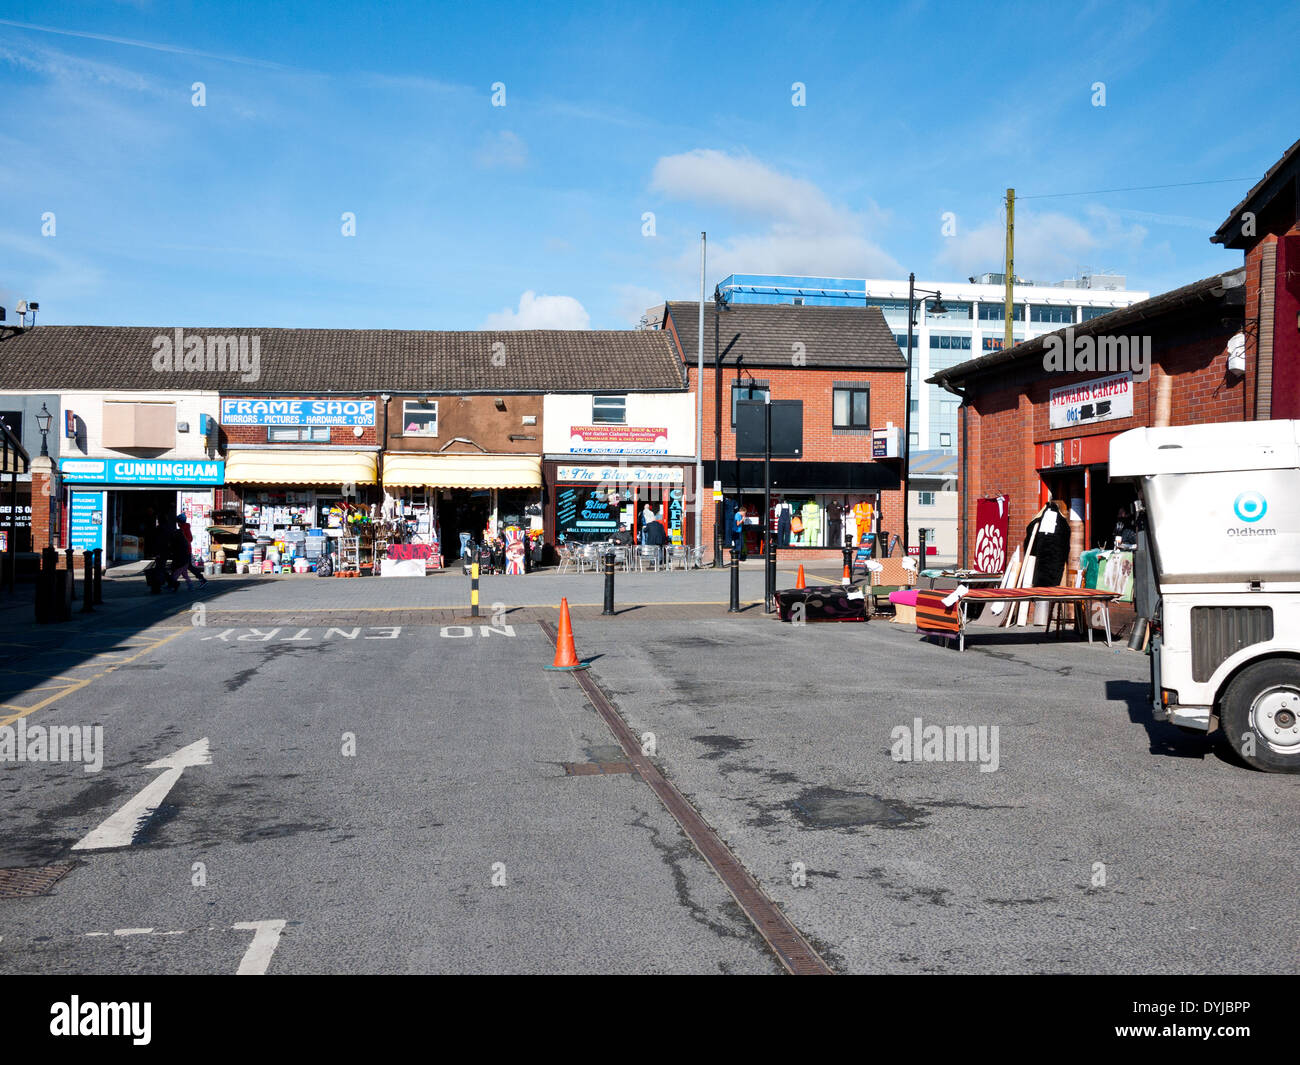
183,524
178,554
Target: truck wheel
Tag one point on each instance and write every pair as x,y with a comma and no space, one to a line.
1260,715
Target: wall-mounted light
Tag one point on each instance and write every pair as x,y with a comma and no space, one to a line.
1237,354
500,403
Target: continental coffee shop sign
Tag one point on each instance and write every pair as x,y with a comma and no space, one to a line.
1101,400
143,471
297,412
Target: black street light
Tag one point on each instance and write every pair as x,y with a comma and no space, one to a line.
936,308
43,422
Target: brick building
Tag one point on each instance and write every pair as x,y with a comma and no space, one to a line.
1266,226
843,365
1226,348
1031,433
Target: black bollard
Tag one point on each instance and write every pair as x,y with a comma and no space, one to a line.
920,559
734,608
848,561
87,583
99,575
609,584
45,601
72,578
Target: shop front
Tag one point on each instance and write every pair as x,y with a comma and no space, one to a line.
589,501
815,505
291,506
472,498
110,504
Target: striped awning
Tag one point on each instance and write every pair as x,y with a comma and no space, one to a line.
406,469
301,467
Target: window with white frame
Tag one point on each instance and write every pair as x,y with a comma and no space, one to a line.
293,434
419,419
925,499
609,410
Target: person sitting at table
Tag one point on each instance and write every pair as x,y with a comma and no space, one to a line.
623,537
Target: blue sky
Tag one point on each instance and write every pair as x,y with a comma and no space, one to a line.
470,215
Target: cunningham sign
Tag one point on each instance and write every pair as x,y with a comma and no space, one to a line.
148,471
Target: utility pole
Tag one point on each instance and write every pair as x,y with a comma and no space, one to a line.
699,409
1010,266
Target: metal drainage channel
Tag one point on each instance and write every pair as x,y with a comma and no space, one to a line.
786,941
32,881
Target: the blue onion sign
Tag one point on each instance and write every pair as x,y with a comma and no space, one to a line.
1250,506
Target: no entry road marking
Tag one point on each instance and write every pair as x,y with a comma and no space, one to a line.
120,829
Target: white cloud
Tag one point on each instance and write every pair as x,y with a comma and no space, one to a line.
506,149
1049,246
541,312
793,226
635,300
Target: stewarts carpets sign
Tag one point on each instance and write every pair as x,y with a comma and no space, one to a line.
1102,400
143,471
297,412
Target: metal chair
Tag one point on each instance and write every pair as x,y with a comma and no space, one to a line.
568,558
646,554
676,554
591,558
697,557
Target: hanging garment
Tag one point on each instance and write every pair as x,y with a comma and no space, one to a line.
783,525
812,523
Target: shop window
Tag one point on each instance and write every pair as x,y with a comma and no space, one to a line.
851,408
746,390
419,419
609,410
290,434
925,499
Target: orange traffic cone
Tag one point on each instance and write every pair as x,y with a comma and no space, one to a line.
848,575
798,577
566,654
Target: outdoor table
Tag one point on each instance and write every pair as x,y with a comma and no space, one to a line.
962,576
933,618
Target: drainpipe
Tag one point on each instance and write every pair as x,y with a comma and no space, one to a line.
383,444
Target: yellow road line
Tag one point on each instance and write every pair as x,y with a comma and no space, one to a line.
86,681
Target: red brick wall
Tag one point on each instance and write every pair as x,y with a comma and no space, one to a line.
821,443
1006,422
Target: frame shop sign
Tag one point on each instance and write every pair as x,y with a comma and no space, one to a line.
1102,400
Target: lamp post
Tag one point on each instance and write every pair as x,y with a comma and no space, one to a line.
43,422
937,308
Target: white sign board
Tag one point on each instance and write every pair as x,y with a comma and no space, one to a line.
1102,400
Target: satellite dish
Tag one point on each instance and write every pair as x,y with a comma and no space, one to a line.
21,307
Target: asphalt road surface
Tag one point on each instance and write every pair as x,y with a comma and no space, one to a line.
348,776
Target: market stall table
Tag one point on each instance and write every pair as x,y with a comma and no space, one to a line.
933,618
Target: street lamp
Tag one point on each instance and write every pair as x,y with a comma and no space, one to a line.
937,308
43,422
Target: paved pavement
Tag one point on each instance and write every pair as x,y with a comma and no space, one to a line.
388,781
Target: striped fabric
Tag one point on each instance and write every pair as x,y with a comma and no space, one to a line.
933,616
1040,593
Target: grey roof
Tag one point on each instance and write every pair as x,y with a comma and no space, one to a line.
851,338
932,463
1226,288
348,360
1279,176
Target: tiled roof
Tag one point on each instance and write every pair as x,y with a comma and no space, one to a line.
765,334
348,360
1278,175
1227,287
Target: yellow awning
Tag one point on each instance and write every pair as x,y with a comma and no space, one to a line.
407,469
301,467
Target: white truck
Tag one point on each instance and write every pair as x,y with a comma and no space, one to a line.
1222,533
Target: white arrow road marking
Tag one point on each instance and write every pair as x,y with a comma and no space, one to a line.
120,829
266,937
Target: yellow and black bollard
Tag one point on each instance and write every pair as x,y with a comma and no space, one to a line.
473,589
